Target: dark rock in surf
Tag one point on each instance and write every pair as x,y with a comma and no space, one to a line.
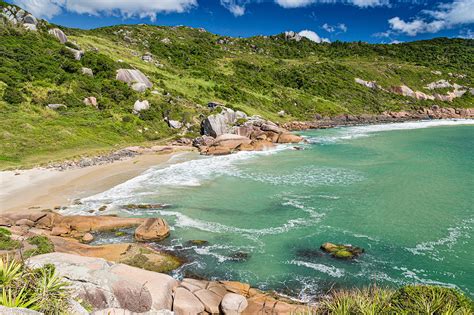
341,251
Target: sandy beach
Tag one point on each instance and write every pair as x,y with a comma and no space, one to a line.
41,188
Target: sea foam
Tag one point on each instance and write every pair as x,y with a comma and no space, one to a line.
348,133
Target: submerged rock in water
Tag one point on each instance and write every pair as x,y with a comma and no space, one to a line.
308,253
240,256
197,243
144,206
342,251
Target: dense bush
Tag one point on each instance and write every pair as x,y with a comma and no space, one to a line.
36,289
411,299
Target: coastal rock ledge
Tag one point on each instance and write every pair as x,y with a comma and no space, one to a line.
108,287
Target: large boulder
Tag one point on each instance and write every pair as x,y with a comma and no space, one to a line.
289,138
76,53
233,304
131,76
140,105
218,124
87,71
403,90
107,285
91,101
230,141
56,32
153,229
186,303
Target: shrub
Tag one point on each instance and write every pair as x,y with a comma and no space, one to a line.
426,299
6,243
12,95
43,246
36,289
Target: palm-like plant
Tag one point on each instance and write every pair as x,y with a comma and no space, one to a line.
10,270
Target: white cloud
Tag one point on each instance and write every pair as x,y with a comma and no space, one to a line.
313,36
446,16
124,8
358,3
341,27
234,6
415,27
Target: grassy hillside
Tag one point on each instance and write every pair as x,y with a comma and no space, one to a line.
259,75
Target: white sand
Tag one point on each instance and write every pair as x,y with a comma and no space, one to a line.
47,188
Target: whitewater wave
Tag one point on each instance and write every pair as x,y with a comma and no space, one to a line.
432,248
330,270
349,133
190,173
307,176
183,221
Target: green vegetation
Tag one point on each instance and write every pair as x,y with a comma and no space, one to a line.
412,299
6,243
36,289
190,67
150,260
43,246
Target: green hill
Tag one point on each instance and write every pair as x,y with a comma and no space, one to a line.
189,68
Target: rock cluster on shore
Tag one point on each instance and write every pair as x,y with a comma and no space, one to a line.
230,131
435,112
106,285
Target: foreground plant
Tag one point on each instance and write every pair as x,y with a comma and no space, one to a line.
411,299
36,289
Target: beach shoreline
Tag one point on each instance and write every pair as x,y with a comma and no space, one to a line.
49,188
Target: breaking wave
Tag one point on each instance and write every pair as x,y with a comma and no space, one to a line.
348,133
330,270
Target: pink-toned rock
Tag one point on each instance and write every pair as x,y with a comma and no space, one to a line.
289,138
233,304
209,299
186,303
403,90
87,238
25,222
153,229
90,101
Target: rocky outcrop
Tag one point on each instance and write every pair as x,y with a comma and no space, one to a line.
19,16
231,131
59,34
70,226
132,76
291,35
404,90
151,230
221,123
103,284
111,287
435,112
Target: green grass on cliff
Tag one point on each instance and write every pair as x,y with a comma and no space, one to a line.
259,75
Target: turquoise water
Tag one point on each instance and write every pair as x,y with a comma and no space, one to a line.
404,192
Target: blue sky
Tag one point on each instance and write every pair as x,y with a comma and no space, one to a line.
374,21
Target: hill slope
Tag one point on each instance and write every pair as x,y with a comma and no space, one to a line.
189,68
